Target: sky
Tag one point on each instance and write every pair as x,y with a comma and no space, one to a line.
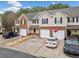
16,5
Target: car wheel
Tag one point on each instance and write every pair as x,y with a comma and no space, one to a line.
56,47
3,36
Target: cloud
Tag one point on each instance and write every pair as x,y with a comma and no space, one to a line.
15,6
29,7
14,3
53,3
1,11
14,9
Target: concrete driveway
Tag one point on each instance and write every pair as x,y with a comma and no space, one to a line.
3,41
36,46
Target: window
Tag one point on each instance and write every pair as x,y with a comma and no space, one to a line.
24,21
61,20
58,21
34,21
68,19
55,20
45,21
17,21
77,19
71,19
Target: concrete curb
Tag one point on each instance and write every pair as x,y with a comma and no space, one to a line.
18,41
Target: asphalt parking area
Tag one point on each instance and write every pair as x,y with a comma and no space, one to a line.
8,53
36,46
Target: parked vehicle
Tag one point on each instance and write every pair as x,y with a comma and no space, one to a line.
52,42
71,45
7,35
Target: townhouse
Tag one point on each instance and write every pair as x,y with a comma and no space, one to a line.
50,23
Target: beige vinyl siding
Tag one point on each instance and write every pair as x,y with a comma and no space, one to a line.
58,17
51,20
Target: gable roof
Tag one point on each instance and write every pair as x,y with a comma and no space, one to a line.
71,12
31,15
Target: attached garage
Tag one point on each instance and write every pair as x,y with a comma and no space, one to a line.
23,32
44,33
60,34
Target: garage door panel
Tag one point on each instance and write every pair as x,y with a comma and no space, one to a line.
23,32
59,34
44,33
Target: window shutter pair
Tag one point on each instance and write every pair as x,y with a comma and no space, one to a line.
60,20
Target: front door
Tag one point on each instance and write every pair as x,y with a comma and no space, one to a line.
34,30
68,32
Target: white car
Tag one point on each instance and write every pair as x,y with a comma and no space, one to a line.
52,42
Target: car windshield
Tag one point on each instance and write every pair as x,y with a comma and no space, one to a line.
52,39
73,40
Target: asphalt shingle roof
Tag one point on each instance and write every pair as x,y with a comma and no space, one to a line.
31,15
71,12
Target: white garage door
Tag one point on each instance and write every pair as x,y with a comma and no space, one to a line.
60,34
23,32
44,33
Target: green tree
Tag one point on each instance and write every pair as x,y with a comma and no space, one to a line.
37,9
22,11
8,20
57,6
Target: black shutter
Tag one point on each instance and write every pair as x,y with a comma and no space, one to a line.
73,19
76,19
42,20
47,20
68,19
61,20
55,20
